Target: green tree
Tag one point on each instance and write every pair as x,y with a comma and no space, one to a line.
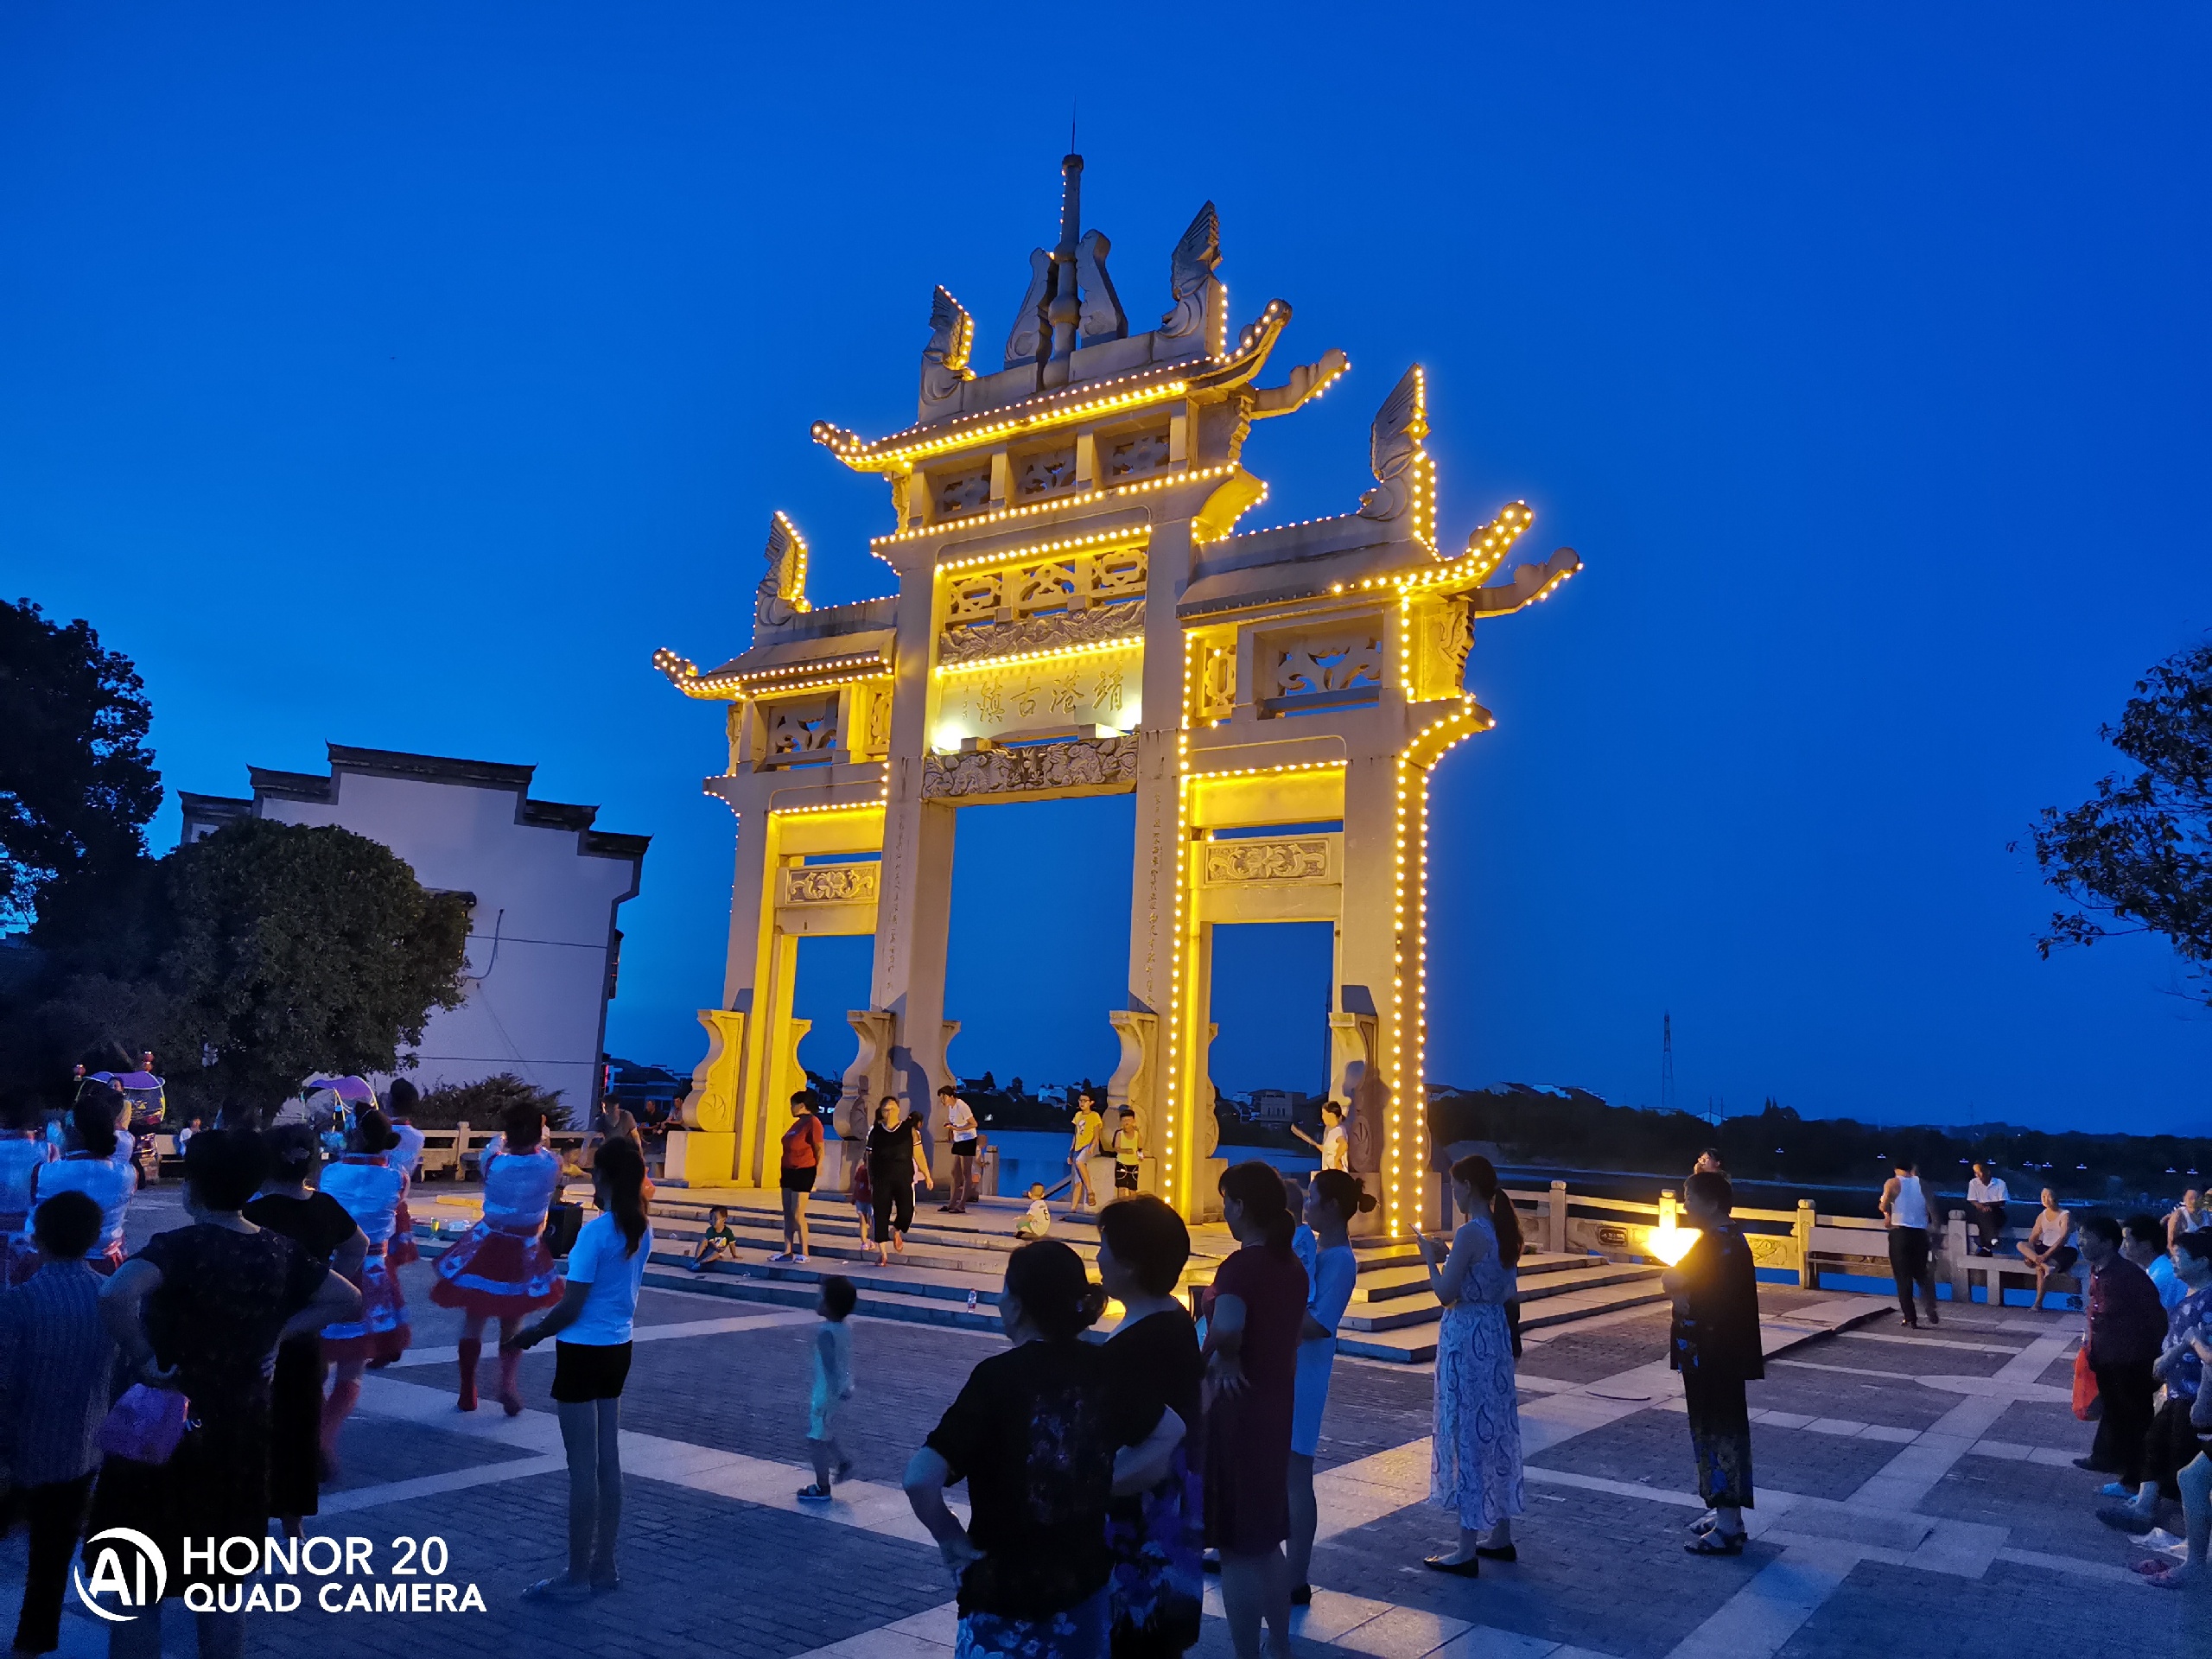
77,781
296,949
484,1103
2138,851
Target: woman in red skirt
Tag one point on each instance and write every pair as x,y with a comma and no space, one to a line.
502,1270
371,1190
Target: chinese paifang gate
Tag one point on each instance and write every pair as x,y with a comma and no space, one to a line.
1076,613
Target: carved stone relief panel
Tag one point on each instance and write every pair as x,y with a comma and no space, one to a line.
1129,455
831,884
962,493
1058,632
979,602
1218,682
1304,859
1447,634
1079,763
879,721
1044,472
801,729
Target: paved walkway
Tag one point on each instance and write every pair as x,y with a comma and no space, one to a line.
1916,1495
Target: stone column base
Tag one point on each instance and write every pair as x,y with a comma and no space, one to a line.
698,1158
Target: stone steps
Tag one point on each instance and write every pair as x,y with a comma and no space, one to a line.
1392,1317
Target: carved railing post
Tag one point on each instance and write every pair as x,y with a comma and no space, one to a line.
868,1080
712,1103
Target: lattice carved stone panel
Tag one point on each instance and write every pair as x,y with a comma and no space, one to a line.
1045,471
1306,859
1079,763
831,884
1336,661
959,494
1217,682
1134,455
801,727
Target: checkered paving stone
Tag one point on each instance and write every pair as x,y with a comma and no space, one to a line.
1596,1571
1826,1396
1606,1352
1894,1612
2053,1510
2035,1422
747,1391
1372,1408
375,1451
1652,1448
1905,1358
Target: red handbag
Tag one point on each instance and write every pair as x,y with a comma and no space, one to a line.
2085,1385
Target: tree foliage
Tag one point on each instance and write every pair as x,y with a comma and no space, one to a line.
77,781
296,949
484,1103
2138,851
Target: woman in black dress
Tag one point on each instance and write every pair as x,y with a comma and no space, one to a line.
199,1310
895,1150
321,1225
1157,1536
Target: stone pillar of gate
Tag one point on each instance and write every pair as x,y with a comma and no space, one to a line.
1373,955
915,915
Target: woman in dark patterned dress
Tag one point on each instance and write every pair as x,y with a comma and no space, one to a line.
201,1310
1715,1345
1157,1536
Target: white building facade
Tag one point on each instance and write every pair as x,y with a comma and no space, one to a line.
546,888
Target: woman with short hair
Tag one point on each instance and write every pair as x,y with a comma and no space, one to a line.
1044,1440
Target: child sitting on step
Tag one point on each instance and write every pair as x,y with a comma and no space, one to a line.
718,1242
1037,1220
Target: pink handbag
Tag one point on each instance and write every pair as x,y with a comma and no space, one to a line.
144,1424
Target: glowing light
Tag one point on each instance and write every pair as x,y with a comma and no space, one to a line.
1669,1243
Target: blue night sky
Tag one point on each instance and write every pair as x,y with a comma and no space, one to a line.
402,376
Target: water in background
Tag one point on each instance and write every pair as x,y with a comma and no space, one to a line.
1027,1155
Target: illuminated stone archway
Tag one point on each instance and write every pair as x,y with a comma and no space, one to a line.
1076,613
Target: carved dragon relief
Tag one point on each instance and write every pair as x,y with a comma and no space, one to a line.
1191,276
781,594
1305,860
1077,764
1394,451
830,884
1056,632
944,359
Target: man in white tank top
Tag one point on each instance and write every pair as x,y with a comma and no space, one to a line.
1907,1208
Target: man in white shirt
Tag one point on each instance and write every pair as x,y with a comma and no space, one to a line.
1906,1208
1986,1201
964,1139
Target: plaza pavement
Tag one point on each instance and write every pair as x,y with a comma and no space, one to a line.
1916,1497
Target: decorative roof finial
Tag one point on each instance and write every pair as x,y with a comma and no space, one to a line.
1063,309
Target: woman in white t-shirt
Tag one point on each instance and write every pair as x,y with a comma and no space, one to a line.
606,1265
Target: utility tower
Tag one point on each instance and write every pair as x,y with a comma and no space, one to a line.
1666,1062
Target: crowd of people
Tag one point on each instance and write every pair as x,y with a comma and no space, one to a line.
196,1388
